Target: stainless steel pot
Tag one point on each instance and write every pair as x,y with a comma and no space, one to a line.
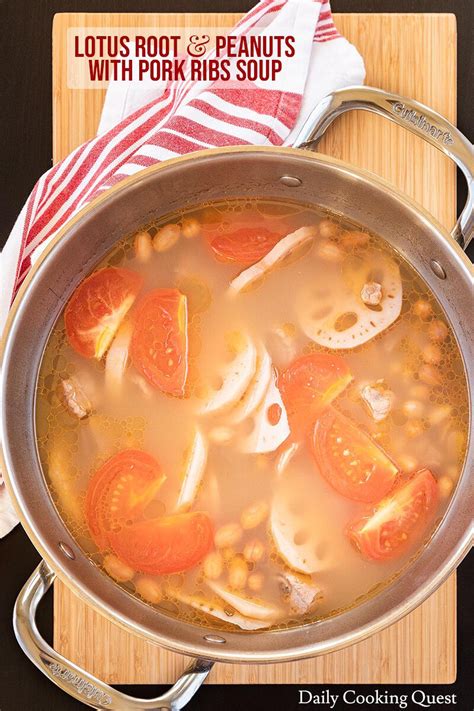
204,176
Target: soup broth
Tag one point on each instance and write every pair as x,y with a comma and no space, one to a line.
252,414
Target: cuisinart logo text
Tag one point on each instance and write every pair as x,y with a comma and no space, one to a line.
353,697
421,122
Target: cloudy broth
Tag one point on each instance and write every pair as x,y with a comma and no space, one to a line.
265,474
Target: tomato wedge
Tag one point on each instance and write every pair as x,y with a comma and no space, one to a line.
309,384
397,519
245,246
97,307
169,544
350,460
159,345
119,491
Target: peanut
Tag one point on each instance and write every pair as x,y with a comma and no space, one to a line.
166,237
228,535
254,515
143,246
423,309
235,342
117,569
438,414
190,227
254,551
328,229
149,590
238,573
255,582
228,554
213,565
429,374
330,252
407,463
414,428
456,442
412,408
445,486
438,331
432,354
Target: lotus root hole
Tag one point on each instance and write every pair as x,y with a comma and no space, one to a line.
345,321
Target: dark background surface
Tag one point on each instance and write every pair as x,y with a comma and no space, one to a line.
25,153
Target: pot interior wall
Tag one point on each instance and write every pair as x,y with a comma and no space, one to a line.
184,183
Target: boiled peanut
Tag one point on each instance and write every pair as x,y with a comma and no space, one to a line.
445,486
228,553
236,342
254,551
117,569
407,464
255,582
412,408
429,374
423,309
228,535
238,573
166,237
456,442
438,414
432,354
330,252
213,565
254,515
190,227
438,331
414,428
328,229
143,246
149,590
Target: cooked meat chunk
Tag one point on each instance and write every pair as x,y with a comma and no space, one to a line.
74,398
371,293
378,400
299,591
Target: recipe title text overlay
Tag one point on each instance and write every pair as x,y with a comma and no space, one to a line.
97,56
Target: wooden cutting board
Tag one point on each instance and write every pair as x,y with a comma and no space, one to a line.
414,55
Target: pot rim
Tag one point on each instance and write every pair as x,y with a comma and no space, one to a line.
221,653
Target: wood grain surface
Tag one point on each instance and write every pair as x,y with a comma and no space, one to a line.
414,55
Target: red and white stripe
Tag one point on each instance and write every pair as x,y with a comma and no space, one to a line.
183,117
178,122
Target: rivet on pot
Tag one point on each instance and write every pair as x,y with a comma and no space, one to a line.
214,639
437,269
290,181
67,550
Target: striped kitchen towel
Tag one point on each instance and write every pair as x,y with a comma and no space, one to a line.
143,123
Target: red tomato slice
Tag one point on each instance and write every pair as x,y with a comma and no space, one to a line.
119,491
97,307
169,544
245,246
350,460
159,345
397,519
309,384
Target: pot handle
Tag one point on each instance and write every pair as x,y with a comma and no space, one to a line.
417,118
76,681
